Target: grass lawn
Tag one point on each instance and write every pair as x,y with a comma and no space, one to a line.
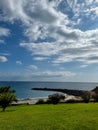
50,117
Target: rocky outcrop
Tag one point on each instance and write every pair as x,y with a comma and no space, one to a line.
95,90
69,91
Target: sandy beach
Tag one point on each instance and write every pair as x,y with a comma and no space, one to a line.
29,101
34,100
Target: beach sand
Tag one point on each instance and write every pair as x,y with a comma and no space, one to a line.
34,100
29,101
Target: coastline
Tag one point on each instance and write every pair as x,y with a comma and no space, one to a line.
33,101
29,100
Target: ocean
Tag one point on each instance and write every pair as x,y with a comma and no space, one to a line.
23,89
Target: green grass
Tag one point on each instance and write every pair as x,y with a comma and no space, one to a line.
50,117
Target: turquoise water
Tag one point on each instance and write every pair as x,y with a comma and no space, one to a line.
23,89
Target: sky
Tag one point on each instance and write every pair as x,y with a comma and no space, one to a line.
49,40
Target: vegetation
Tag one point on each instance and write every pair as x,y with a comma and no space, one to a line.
86,97
79,116
95,97
7,96
40,101
55,98
52,99
71,101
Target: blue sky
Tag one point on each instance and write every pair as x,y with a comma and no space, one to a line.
49,40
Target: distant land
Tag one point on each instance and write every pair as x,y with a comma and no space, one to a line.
68,91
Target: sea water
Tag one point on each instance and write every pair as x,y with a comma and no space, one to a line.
24,89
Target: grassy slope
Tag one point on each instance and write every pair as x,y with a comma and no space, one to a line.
50,117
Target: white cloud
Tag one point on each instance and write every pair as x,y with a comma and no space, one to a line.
32,67
83,66
19,62
44,49
55,74
12,11
72,3
37,16
2,42
3,59
40,58
43,20
82,47
4,32
38,76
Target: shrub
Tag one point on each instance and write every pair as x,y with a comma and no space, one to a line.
40,101
7,96
86,97
55,98
95,97
71,101
48,101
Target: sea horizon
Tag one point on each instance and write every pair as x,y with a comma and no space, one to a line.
49,81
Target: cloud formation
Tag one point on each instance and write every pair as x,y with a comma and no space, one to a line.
83,48
60,31
32,67
40,58
19,62
4,32
38,76
3,59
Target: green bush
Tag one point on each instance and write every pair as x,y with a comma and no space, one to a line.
86,97
71,101
40,101
7,96
48,101
55,98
